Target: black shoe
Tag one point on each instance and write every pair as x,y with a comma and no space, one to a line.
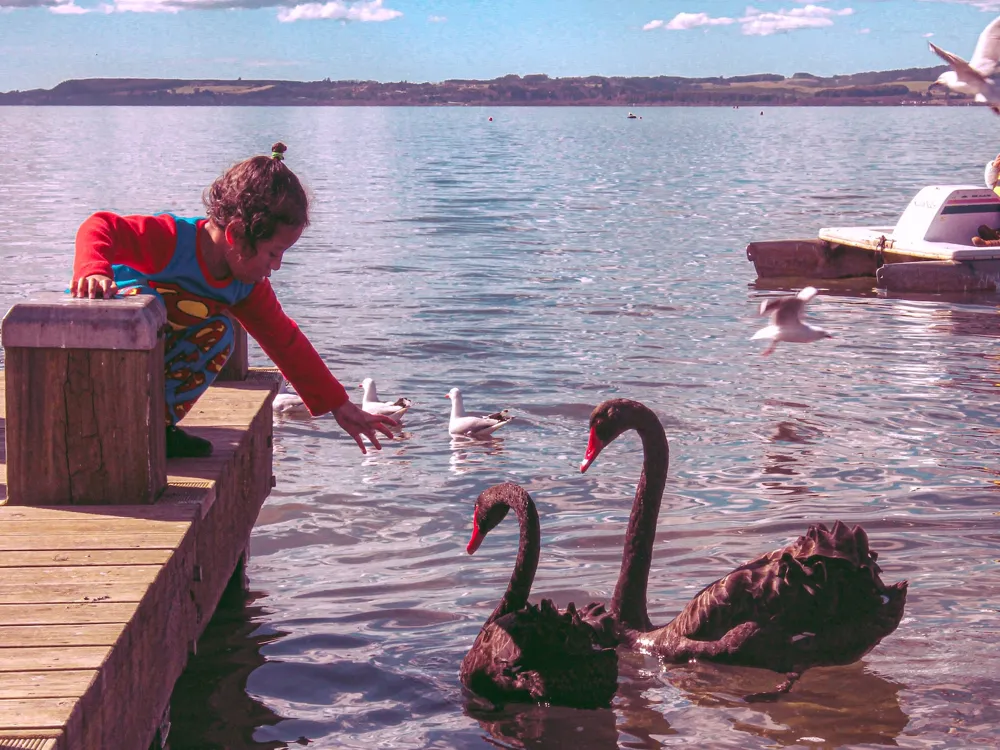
182,445
987,232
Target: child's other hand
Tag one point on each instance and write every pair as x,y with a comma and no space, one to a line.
357,422
94,287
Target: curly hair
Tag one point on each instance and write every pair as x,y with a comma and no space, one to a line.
261,193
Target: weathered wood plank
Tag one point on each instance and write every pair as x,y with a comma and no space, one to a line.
66,593
35,713
50,558
90,541
79,575
92,525
52,658
168,512
78,634
66,683
68,614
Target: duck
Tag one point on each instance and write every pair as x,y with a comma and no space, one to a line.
535,653
371,404
786,322
475,427
817,601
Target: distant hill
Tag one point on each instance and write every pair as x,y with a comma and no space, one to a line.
891,87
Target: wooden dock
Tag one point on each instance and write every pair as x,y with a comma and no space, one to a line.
100,605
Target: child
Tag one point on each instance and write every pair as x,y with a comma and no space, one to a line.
202,267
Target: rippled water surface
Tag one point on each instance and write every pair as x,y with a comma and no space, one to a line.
543,262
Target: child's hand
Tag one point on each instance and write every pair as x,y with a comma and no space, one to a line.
357,422
94,287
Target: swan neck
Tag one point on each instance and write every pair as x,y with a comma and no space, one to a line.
629,601
519,586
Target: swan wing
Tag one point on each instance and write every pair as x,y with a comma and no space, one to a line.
816,601
984,59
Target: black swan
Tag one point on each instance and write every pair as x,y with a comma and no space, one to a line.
535,653
817,602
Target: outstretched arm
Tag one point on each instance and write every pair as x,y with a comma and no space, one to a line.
280,338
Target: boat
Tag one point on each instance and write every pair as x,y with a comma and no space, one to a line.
930,248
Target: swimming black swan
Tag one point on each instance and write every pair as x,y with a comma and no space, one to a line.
529,653
818,601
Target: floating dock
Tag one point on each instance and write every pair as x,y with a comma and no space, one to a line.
101,603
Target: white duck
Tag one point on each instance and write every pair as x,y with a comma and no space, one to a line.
475,427
371,404
785,321
975,77
289,404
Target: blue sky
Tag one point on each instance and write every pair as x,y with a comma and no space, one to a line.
43,42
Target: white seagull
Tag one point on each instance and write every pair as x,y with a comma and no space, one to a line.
475,427
289,403
785,321
371,404
976,77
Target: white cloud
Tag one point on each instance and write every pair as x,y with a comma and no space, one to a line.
756,22
68,9
864,31
339,11
437,19
928,36
684,21
761,23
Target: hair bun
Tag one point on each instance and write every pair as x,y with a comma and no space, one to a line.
278,151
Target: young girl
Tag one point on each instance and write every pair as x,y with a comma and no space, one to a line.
202,267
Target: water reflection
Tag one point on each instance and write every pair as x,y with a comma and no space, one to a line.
469,454
210,708
546,727
830,706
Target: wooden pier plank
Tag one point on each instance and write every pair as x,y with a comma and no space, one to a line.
99,605
35,713
67,613
52,658
64,683
75,634
74,557
87,541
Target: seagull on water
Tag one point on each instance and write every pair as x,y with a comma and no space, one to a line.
474,427
975,77
371,404
289,403
786,324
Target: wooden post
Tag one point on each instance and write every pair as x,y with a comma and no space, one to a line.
85,418
238,365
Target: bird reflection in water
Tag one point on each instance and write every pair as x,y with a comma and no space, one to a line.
832,706
210,708
632,722
550,727
469,453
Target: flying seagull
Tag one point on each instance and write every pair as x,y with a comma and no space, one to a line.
975,77
785,321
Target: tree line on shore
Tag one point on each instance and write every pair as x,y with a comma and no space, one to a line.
894,87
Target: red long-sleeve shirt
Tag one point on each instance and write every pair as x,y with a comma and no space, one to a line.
119,246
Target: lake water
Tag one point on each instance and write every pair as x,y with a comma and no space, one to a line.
543,262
